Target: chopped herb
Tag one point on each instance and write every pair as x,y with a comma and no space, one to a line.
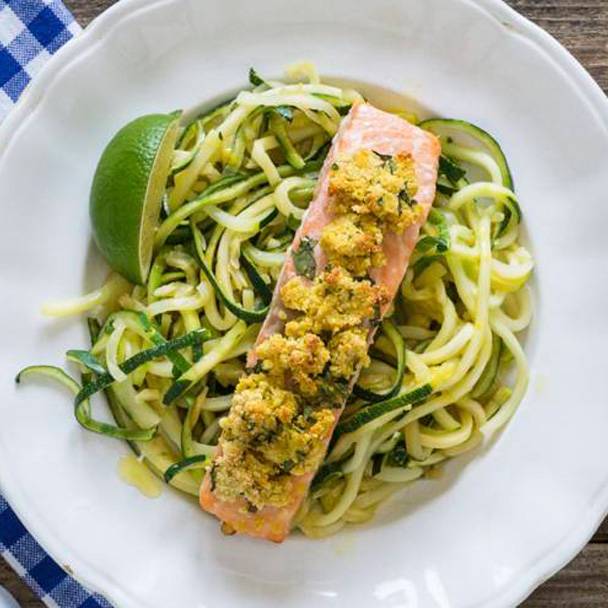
304,258
450,169
446,189
212,476
388,161
260,438
254,78
220,135
334,392
452,292
327,471
331,392
377,316
377,461
404,198
437,219
287,465
436,244
398,456
258,368
334,166
383,157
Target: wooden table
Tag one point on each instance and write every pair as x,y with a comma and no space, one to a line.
582,27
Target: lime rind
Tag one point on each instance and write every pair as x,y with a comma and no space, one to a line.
154,195
127,191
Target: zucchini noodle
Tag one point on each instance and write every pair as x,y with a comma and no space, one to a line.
242,176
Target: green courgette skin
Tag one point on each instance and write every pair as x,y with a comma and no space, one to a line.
249,316
435,125
399,344
187,464
375,410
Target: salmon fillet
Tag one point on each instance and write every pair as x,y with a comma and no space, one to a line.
365,127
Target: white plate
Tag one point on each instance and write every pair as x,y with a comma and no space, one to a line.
495,525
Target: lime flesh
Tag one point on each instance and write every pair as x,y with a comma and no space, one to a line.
127,191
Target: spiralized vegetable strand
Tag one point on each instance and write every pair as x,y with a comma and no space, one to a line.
451,372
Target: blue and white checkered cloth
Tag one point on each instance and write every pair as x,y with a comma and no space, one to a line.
30,32
49,582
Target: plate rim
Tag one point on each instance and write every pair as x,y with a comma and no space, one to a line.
555,557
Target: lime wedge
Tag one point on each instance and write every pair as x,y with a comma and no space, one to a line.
127,192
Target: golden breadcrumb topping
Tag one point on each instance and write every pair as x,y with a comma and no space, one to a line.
297,450
348,352
294,360
368,183
267,436
353,242
259,409
333,302
282,414
242,473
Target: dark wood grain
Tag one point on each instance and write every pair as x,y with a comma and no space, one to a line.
86,10
582,27
583,583
22,593
601,536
